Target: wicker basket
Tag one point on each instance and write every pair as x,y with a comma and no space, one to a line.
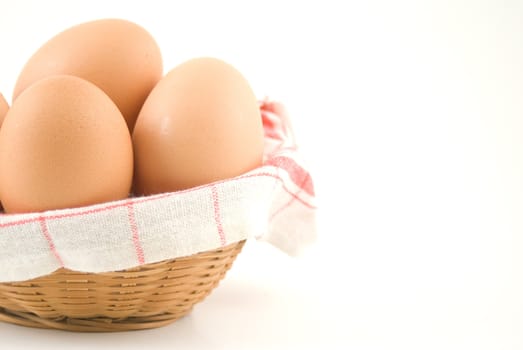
148,296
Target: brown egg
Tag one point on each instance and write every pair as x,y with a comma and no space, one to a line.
201,123
63,144
4,107
118,56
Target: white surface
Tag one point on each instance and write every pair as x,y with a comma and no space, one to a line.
411,114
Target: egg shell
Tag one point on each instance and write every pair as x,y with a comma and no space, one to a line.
200,124
63,144
4,107
118,56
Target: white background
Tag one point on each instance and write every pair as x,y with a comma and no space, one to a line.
411,116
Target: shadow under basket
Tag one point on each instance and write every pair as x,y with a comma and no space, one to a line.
148,296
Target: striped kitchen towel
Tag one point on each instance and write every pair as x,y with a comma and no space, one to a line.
274,203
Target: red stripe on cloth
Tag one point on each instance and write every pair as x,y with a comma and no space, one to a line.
298,175
134,230
217,215
273,134
49,239
82,211
249,176
281,209
18,222
270,127
276,122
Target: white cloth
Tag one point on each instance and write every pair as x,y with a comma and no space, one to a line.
274,203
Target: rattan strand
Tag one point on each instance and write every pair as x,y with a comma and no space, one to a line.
149,296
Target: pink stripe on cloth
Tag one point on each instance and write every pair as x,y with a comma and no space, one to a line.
49,239
299,176
217,215
134,230
80,211
276,123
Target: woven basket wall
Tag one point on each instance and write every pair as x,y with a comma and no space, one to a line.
148,296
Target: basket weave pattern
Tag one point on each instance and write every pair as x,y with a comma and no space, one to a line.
147,296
